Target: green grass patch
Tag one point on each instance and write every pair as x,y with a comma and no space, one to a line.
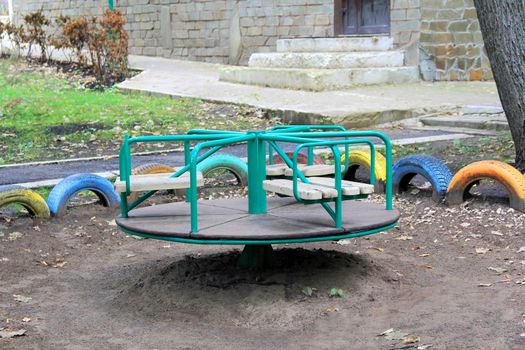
43,116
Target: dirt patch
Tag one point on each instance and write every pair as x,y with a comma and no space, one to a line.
72,128
201,287
453,277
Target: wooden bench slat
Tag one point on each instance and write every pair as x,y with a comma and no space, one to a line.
349,187
279,169
314,170
306,191
150,182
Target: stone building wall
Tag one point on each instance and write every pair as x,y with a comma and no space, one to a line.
441,35
220,31
451,39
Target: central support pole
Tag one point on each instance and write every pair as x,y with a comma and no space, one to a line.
257,257
256,176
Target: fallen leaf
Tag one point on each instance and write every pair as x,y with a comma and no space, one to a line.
484,284
60,264
496,233
411,339
404,238
344,242
15,235
308,291
112,223
11,334
424,347
390,330
26,319
482,250
395,335
332,309
337,292
498,270
424,255
21,298
131,255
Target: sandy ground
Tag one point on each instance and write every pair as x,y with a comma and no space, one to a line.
450,278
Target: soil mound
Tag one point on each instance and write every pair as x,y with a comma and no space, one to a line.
214,289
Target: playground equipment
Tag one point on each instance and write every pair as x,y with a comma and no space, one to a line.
508,176
71,185
316,208
431,168
362,159
30,200
225,162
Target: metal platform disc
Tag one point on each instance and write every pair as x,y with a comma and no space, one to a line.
228,219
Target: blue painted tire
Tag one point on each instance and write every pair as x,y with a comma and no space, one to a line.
225,162
67,188
431,168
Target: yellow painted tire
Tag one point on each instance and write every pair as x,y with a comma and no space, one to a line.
508,176
146,169
32,201
360,158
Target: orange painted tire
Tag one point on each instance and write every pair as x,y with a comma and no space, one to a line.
148,168
152,168
508,176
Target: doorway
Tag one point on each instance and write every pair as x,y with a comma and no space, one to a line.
362,17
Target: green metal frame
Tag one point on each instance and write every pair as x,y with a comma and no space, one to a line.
262,241
305,136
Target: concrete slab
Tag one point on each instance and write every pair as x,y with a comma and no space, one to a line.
356,107
494,122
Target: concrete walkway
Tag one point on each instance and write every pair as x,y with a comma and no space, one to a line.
358,107
45,174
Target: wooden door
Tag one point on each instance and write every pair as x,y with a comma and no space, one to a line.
362,16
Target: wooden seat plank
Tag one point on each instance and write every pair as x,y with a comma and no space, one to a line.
349,187
151,182
279,169
306,191
314,170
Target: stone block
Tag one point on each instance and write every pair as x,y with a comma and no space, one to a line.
459,26
413,14
320,20
476,74
398,14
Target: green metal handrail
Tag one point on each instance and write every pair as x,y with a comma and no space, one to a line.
256,143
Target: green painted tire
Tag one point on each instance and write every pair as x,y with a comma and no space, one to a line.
227,162
32,201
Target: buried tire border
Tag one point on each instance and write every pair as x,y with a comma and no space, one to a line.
431,168
509,177
69,186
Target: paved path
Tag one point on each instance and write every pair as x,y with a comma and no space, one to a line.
357,107
50,174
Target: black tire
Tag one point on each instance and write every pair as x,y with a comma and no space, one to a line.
431,168
67,188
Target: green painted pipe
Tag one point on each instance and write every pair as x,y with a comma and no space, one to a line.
111,6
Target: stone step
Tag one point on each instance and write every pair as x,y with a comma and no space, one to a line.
479,122
328,60
374,43
318,79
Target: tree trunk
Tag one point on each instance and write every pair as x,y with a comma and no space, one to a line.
502,24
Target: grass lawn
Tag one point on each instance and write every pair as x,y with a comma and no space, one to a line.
46,115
